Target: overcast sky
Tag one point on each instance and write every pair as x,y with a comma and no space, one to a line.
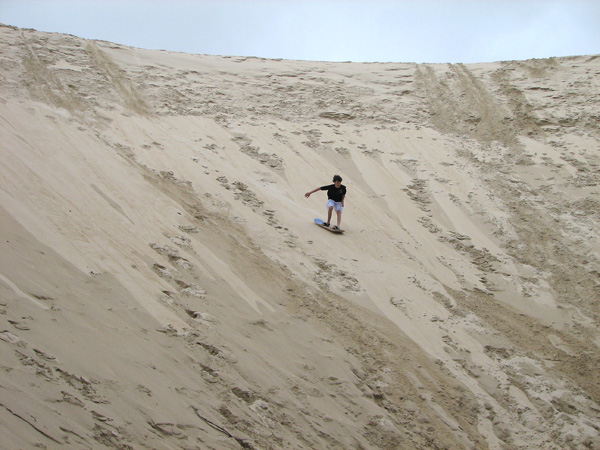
434,31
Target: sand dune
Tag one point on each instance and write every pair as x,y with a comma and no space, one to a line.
163,285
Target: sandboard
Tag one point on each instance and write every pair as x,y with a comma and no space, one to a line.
322,225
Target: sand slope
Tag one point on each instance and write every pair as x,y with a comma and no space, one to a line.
163,285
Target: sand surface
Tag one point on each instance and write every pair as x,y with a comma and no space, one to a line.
163,285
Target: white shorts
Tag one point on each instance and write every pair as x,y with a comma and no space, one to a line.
336,205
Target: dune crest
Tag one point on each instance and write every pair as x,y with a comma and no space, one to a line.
163,284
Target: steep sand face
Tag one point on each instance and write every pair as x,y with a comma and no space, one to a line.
162,284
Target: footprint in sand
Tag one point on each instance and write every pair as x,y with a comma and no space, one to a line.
202,317
191,290
19,325
44,355
180,241
7,336
189,229
162,271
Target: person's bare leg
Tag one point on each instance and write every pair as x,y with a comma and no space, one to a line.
339,218
329,211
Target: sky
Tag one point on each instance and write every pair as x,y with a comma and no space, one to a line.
430,31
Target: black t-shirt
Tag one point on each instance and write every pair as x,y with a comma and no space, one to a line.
333,193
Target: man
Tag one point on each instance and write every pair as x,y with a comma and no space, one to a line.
336,193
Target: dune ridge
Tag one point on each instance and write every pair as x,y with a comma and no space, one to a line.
162,284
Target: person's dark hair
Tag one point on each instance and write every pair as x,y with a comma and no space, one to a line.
337,178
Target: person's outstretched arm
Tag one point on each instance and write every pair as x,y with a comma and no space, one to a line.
312,192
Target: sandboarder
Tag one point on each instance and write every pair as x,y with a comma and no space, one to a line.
336,193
